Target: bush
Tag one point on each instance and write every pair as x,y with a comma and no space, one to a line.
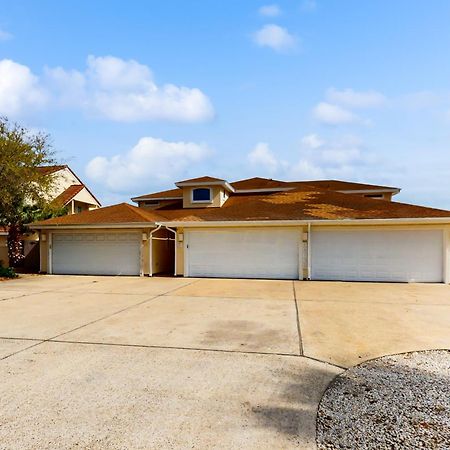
7,272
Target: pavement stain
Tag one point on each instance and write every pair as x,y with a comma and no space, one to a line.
245,332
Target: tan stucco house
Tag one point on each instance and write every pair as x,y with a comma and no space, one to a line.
69,192
255,228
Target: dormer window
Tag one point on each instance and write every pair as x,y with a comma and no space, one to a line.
201,195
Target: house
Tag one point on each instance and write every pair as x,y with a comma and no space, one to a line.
69,193
255,228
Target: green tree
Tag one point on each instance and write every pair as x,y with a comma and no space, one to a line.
24,189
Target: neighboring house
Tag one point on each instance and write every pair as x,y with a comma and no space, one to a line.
256,228
69,192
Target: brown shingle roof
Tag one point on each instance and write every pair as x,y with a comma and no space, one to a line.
205,179
45,170
303,204
258,183
299,204
68,194
171,193
116,214
338,185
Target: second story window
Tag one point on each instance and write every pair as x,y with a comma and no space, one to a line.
201,195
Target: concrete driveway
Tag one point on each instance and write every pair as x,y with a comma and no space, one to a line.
103,362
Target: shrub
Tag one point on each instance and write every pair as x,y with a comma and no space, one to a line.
7,272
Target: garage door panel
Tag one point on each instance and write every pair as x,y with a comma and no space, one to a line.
394,255
96,253
243,254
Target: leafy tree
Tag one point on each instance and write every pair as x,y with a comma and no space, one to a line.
24,189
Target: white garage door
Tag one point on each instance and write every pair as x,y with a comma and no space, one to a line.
377,255
243,253
96,253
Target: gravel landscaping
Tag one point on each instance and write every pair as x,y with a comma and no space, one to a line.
394,402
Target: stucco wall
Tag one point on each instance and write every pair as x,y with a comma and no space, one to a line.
447,256
180,253
216,197
43,244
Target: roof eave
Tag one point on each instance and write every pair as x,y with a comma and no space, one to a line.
290,222
93,225
205,183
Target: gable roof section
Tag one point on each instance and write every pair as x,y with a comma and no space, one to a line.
123,213
204,179
48,170
67,195
258,183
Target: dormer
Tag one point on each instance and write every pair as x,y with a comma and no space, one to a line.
204,192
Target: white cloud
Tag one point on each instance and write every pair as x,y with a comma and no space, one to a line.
150,162
312,141
275,37
262,157
333,114
345,157
114,89
5,36
20,91
356,99
124,91
270,10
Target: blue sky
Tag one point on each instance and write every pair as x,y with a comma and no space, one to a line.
137,95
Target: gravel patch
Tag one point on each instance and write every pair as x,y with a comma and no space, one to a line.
394,402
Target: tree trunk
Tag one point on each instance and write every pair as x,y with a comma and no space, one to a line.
15,246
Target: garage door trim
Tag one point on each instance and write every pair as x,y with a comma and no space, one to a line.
298,246
50,246
433,243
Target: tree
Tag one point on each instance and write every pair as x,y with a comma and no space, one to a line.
24,189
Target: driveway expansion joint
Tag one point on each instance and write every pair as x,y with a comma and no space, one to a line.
297,316
51,339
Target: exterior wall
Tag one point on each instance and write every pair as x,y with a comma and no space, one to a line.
216,197
78,204
43,244
4,251
163,257
63,179
447,256
180,253
85,197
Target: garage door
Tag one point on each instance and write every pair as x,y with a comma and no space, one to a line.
96,253
243,253
377,255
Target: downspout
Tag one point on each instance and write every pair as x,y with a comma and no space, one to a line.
150,251
309,251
